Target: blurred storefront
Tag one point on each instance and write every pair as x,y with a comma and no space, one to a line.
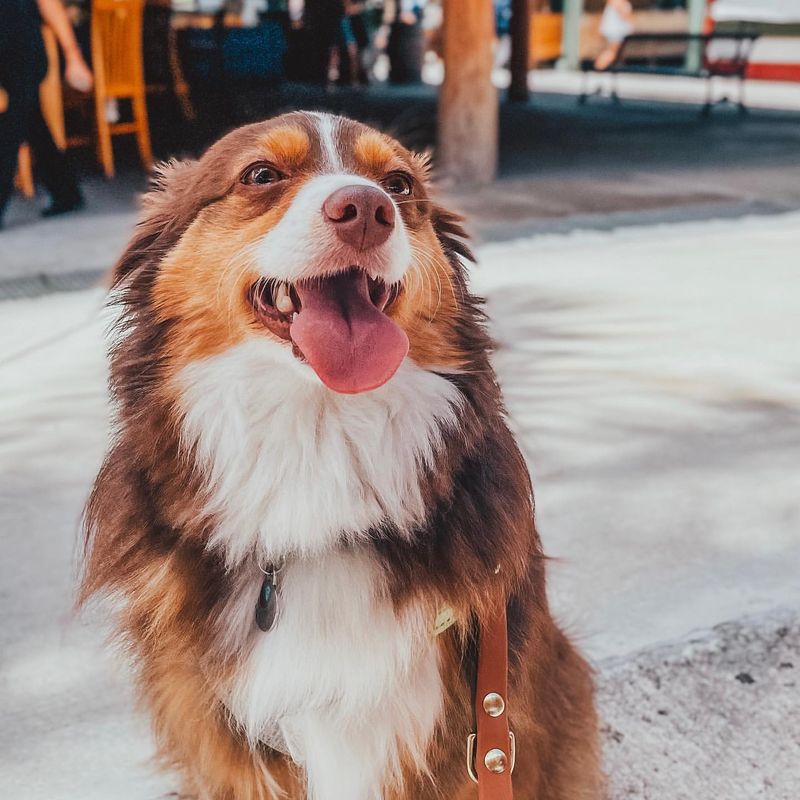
567,32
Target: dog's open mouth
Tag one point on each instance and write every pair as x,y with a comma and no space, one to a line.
338,324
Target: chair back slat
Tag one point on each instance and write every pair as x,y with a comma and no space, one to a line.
117,44
118,64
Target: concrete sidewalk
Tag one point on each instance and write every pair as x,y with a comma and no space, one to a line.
652,377
715,716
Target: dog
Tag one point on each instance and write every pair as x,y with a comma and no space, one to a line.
312,499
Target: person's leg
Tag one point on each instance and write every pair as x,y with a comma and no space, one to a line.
359,27
21,65
52,168
22,97
608,56
348,53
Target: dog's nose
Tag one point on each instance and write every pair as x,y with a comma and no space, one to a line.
362,216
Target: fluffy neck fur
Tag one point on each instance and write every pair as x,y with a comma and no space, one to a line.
292,468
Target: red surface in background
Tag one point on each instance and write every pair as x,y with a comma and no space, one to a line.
774,72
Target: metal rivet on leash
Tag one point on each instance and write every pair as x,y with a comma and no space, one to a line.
493,704
496,761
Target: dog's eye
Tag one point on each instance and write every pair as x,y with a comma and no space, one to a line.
398,183
261,175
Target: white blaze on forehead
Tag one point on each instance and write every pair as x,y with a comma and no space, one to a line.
327,126
304,245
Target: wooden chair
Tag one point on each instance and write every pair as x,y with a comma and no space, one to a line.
52,110
545,37
119,74
24,178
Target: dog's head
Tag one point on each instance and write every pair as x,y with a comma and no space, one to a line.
313,232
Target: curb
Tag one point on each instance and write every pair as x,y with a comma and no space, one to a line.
29,286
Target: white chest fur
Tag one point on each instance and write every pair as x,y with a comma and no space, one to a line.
342,682
294,468
295,471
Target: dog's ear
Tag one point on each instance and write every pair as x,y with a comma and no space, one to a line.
448,225
450,230
168,208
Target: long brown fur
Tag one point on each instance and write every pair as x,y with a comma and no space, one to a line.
146,528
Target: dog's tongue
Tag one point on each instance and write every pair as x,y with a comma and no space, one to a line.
350,344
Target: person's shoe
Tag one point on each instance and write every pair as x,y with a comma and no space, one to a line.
58,207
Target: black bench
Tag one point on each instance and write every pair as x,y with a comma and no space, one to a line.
692,55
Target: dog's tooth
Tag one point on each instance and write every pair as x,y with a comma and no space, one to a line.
283,302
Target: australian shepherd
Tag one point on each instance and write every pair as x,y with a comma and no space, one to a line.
312,498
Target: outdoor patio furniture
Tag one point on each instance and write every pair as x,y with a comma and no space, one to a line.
163,70
546,36
703,56
119,75
219,48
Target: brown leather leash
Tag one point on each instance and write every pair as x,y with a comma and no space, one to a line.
491,751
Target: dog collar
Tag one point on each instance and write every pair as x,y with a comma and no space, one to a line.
267,604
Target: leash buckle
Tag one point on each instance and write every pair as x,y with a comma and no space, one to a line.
472,741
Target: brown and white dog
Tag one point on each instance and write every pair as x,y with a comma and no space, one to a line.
301,384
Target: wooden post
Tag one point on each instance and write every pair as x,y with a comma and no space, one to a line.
468,105
520,50
571,37
697,16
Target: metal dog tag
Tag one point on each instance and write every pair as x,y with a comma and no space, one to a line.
267,605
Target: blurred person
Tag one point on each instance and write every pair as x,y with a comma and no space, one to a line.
615,24
502,25
295,10
23,66
322,21
353,41
402,33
